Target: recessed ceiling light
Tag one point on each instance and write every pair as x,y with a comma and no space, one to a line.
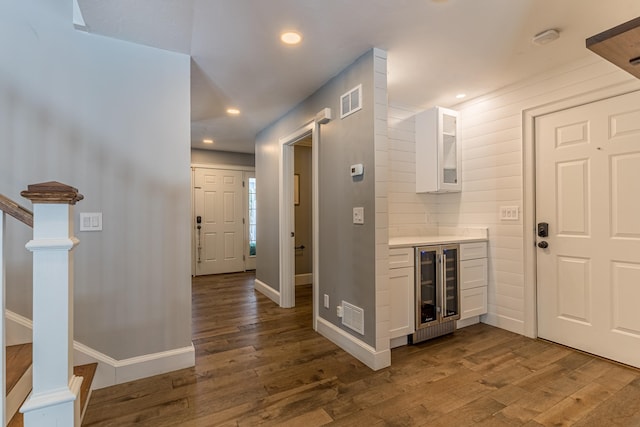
233,111
291,37
461,95
207,141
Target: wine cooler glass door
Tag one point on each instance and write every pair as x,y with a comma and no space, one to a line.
451,293
427,306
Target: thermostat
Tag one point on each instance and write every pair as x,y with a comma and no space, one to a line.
357,170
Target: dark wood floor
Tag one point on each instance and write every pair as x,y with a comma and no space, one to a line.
257,364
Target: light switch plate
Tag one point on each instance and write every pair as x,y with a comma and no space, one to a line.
90,221
358,215
509,213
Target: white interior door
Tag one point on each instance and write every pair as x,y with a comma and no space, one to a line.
219,203
588,191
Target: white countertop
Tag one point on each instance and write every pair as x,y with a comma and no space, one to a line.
445,235
403,242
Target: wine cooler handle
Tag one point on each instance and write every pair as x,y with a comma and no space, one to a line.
443,287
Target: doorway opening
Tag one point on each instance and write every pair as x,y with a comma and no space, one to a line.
302,201
306,137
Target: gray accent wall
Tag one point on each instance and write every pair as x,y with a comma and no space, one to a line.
214,157
347,251
112,119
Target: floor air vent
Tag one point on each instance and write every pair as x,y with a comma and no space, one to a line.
351,102
353,317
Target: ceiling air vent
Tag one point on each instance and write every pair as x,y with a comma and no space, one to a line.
351,102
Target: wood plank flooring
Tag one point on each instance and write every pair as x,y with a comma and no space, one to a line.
257,364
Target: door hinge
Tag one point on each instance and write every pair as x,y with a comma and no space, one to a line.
244,258
243,220
243,184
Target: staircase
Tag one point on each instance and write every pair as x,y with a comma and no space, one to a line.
38,376
19,382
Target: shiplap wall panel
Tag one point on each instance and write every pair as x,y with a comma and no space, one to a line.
382,178
408,211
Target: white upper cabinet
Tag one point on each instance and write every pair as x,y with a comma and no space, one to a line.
437,151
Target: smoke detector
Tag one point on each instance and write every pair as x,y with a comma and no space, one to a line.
546,36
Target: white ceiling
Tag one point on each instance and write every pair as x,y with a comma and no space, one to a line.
436,48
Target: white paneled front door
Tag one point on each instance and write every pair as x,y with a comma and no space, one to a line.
588,191
219,204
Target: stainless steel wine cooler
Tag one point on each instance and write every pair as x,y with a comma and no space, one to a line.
437,291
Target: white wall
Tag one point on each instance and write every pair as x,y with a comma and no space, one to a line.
493,170
112,119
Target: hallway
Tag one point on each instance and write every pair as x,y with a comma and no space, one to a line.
259,364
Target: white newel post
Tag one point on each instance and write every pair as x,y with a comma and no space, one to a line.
54,400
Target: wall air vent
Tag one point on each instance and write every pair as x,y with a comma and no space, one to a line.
353,317
351,102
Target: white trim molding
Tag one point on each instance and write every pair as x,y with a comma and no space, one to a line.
267,291
363,352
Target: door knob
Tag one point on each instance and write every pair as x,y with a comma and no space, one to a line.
543,245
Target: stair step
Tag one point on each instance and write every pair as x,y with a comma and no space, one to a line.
87,372
18,362
18,375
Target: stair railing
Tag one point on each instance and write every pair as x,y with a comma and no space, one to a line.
7,208
55,393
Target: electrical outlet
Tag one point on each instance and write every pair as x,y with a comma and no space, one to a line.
326,301
358,215
339,311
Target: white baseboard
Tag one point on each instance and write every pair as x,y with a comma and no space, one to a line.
467,322
19,329
363,352
111,371
503,322
398,341
304,279
267,291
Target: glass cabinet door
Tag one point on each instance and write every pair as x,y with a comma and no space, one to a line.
450,272
449,150
427,306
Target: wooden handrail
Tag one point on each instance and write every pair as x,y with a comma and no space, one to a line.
15,210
